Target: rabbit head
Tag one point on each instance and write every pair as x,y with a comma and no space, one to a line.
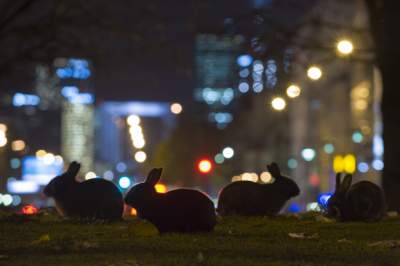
142,194
289,187
61,182
337,202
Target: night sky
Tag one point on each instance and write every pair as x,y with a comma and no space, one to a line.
146,49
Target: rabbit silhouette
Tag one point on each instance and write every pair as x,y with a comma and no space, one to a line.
91,199
363,201
253,199
180,210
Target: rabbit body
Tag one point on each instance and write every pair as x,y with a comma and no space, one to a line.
91,199
363,201
252,199
180,210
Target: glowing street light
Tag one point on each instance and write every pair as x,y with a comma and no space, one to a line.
140,156
228,152
176,108
204,166
344,47
314,73
278,103
293,91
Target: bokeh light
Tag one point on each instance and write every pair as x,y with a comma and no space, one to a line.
293,91
308,154
124,182
266,177
314,73
345,47
204,166
140,156
176,108
278,103
160,188
228,152
133,120
90,175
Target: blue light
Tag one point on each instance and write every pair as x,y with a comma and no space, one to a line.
69,91
323,199
15,163
294,208
258,87
227,96
22,99
75,68
35,169
82,98
244,73
124,182
378,165
244,87
244,60
121,167
363,167
377,145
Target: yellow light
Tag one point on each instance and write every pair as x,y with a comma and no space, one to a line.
236,178
338,164
350,163
278,103
3,141
250,177
266,177
360,104
133,120
314,73
40,153
161,188
345,47
176,108
140,156
49,158
133,212
3,128
90,175
293,91
18,145
139,143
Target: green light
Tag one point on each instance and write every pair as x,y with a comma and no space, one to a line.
357,137
292,163
219,158
329,148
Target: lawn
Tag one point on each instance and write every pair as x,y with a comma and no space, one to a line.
305,240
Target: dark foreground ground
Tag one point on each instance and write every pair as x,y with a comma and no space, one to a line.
306,240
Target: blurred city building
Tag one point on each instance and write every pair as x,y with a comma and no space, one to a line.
215,58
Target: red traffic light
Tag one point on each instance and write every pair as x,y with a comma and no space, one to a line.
205,166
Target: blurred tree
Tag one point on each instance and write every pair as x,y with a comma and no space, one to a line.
384,17
191,141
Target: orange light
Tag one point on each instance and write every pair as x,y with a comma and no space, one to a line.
29,210
161,188
204,166
133,212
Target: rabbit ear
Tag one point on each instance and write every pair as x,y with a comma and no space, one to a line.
273,168
338,177
154,176
73,169
344,187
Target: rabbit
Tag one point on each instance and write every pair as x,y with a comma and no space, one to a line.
363,201
180,210
252,199
91,199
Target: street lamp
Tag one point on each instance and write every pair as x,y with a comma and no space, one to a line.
293,91
278,103
314,72
344,47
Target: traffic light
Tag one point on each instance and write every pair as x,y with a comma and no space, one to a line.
205,166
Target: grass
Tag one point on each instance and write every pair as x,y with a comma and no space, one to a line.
46,239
